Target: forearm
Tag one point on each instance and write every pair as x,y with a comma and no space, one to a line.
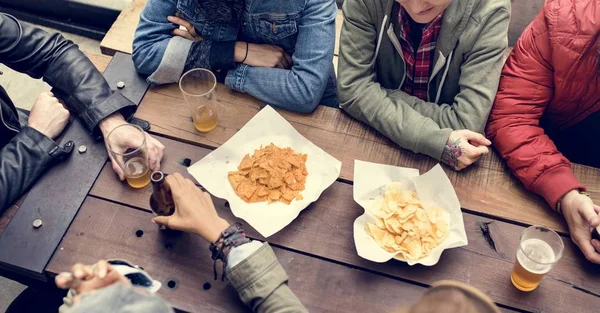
453,116
399,122
301,87
533,158
22,161
62,65
261,282
213,55
295,90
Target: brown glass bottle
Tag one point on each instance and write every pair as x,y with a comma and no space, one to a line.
161,200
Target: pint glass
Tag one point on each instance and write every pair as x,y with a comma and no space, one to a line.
130,154
199,89
539,249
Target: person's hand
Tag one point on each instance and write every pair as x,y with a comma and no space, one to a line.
154,148
87,279
262,55
258,55
48,116
188,33
194,210
582,217
464,148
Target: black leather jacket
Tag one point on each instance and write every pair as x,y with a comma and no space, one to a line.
26,153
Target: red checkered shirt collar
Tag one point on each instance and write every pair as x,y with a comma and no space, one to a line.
418,64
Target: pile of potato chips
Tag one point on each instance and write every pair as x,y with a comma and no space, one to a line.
270,174
404,225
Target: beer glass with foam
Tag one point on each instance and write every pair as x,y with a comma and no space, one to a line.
199,89
539,249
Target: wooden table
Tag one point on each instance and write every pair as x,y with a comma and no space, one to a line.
317,249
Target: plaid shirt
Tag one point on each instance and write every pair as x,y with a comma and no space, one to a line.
418,64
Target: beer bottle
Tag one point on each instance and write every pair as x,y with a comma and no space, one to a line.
161,200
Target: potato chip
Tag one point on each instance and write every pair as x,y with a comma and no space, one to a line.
380,224
270,174
404,225
415,250
388,226
375,232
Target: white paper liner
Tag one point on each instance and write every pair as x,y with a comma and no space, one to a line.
433,188
266,127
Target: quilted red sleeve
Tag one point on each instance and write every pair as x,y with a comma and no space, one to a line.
525,90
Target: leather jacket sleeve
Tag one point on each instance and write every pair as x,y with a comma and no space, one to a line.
63,66
22,161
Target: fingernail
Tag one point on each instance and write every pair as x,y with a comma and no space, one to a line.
78,273
102,273
169,18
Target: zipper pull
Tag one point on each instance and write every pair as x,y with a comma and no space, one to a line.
61,154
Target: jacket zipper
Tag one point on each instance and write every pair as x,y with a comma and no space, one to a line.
396,43
443,81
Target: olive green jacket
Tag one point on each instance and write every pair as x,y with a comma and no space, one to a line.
466,69
261,284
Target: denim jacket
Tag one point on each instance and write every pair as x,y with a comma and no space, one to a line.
305,29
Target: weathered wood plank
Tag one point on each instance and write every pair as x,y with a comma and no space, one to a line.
100,61
325,229
9,213
487,187
119,37
106,230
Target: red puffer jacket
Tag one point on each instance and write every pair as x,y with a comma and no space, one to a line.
552,72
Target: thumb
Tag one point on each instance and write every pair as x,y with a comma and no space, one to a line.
588,213
161,220
477,137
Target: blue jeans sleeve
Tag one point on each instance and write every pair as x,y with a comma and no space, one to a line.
152,35
156,51
300,88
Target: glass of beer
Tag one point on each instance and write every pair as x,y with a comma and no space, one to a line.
539,249
127,145
199,89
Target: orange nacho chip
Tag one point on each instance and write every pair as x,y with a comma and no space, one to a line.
270,174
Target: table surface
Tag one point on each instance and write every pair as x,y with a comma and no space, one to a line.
317,249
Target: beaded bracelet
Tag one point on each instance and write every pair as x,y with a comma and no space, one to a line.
230,238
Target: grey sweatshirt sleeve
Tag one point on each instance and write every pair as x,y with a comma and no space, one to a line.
365,99
479,79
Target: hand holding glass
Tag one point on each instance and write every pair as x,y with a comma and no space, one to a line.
127,145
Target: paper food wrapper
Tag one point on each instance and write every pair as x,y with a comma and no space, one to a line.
433,188
266,127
